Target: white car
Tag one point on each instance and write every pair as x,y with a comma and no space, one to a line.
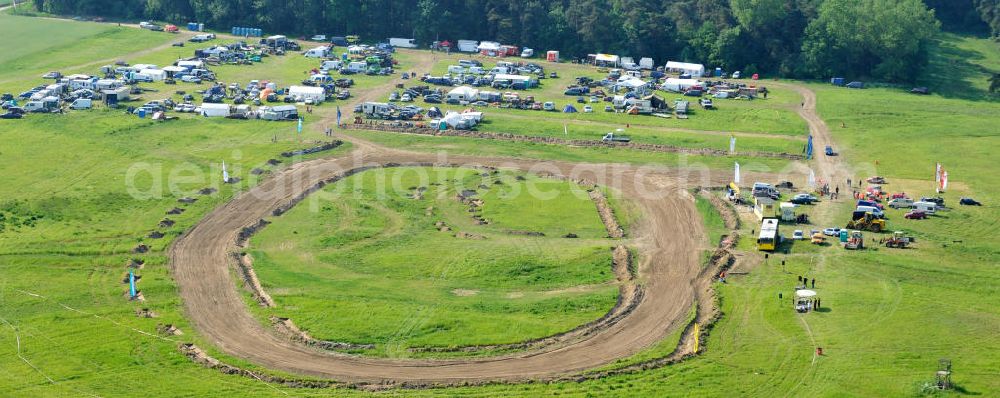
588,109
190,79
406,97
798,235
831,232
318,38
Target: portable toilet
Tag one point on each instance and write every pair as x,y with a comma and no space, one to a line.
201,27
192,26
718,72
844,235
142,113
787,211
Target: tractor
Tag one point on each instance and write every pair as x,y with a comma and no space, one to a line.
897,240
856,241
866,222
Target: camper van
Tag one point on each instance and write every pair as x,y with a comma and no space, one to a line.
81,103
926,207
898,203
357,67
375,108
455,69
318,52
331,65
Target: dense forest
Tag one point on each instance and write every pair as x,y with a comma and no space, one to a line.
881,39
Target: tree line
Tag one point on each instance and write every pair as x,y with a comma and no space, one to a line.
880,39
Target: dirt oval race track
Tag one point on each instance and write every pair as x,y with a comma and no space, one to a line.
669,238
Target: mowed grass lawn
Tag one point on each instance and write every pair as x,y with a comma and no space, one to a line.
365,263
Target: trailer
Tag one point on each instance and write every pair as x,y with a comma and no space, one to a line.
468,46
402,43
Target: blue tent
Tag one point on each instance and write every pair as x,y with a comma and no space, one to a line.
569,109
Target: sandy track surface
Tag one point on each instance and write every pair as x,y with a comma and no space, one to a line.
669,237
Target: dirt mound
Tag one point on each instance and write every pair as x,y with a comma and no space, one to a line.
287,328
273,162
141,248
257,171
466,235
145,313
168,330
166,223
176,210
523,233
155,235
136,263
187,199
464,292
570,236
607,215
245,268
207,191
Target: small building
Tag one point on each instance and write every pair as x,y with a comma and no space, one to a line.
787,211
685,68
763,206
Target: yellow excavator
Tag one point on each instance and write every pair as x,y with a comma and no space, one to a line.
866,221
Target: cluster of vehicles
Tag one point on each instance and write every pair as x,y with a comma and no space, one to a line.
505,75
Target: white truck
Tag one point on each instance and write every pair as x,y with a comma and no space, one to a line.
81,103
615,136
468,46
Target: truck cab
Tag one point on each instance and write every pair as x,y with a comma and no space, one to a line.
615,136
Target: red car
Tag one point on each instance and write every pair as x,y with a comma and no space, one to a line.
915,215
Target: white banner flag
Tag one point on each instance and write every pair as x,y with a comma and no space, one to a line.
225,174
812,179
736,172
732,144
944,180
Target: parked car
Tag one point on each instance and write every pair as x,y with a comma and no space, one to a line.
588,109
11,115
318,38
553,75
432,99
178,44
969,202
190,79
406,97
804,198
915,215
831,232
52,75
798,235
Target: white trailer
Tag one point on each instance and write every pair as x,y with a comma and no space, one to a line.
402,43
215,110
318,52
468,46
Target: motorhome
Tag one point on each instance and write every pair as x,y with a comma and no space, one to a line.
81,103
318,52
281,112
331,65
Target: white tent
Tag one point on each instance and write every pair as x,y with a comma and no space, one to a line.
488,46
695,70
155,74
191,64
631,83
463,93
214,110
672,84
606,59
306,92
513,78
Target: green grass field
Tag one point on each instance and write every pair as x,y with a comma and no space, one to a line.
367,265
69,223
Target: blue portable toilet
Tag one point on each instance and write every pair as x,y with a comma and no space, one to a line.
718,72
343,56
142,113
837,81
843,236
233,30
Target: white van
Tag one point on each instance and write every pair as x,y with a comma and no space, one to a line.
81,103
871,209
926,207
476,70
500,70
467,63
900,203
34,106
357,67
455,69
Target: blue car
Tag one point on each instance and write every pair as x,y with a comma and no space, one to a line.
829,151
